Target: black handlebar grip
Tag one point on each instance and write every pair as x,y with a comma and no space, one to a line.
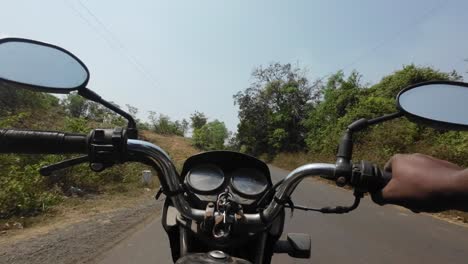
368,177
386,177
380,180
41,142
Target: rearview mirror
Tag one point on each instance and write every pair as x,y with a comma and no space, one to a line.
441,104
40,66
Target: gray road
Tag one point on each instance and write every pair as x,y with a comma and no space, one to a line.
371,234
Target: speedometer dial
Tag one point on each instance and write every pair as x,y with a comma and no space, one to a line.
204,179
249,182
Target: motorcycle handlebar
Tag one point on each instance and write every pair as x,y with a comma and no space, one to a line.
41,142
171,182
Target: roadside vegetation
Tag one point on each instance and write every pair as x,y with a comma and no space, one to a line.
285,119
288,120
25,194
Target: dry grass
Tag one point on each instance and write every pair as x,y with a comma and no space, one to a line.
179,148
73,210
291,161
116,196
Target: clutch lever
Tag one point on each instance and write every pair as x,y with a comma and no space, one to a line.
47,170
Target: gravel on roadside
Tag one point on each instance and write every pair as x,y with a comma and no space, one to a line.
80,242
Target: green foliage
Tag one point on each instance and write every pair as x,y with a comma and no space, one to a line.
162,124
23,192
14,100
451,145
346,100
10,121
323,122
77,107
390,85
271,110
210,136
77,125
198,120
340,101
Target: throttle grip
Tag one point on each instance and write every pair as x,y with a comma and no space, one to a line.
41,142
385,178
368,177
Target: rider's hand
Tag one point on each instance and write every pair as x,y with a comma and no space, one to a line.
424,183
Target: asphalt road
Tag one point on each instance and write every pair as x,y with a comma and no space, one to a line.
370,234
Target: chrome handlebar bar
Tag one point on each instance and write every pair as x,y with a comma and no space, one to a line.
293,179
169,177
161,160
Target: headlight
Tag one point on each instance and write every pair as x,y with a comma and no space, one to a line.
205,179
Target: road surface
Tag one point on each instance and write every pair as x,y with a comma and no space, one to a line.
370,234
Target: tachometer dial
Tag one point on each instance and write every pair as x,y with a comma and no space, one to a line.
249,182
205,178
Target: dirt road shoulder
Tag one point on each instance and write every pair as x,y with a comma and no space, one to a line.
81,238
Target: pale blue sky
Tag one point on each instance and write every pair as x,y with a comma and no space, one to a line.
197,54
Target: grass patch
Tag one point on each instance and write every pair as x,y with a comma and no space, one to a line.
290,161
178,148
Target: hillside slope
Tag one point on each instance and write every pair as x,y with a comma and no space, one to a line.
81,228
112,197
179,148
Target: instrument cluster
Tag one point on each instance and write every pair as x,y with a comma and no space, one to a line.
207,180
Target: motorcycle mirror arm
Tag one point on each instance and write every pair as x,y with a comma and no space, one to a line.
132,130
345,147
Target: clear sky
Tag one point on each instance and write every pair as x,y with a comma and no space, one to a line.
175,57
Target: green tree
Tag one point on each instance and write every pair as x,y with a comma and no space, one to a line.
339,95
346,99
211,136
198,120
162,124
271,110
76,105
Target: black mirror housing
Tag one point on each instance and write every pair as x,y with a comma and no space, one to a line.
40,66
43,67
438,104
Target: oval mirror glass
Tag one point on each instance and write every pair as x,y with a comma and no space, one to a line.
43,67
441,104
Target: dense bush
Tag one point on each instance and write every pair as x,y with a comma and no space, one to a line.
271,110
340,101
162,124
23,191
210,136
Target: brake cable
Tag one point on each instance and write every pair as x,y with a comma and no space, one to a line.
330,210
269,192
288,203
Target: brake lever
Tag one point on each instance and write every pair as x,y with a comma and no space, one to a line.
47,170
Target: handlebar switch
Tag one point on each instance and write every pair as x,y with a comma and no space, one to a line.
366,177
108,146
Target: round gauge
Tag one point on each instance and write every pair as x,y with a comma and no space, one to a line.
249,182
205,178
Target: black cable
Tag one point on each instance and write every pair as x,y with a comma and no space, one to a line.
331,210
269,192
